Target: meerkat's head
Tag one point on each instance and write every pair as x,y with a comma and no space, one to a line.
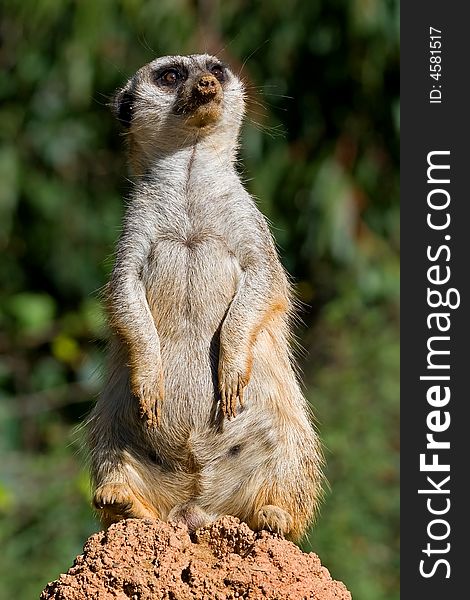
175,101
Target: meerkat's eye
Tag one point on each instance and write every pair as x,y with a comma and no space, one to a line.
219,72
170,77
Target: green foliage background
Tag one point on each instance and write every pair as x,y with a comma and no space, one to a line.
320,152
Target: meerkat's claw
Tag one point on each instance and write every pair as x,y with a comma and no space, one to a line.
234,374
233,403
231,393
148,389
151,414
116,501
223,402
113,494
241,390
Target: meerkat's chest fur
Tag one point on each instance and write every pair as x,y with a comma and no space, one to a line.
190,198
191,269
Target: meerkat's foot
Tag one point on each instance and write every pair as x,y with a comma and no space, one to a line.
116,501
147,386
190,514
274,519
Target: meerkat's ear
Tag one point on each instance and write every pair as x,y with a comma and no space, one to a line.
122,104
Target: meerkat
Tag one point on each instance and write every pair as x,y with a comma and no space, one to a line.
202,414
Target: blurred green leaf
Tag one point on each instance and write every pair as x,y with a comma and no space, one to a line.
33,312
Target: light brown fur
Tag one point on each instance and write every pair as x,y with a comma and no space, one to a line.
202,414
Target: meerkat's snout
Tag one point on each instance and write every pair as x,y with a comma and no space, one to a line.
200,100
207,88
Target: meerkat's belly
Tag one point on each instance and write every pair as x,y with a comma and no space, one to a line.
190,284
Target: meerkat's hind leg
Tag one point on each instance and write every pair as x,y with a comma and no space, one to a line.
191,514
116,501
273,518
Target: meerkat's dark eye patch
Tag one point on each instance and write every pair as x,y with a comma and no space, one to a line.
169,77
219,72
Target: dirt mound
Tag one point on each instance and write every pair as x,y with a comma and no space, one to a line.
150,560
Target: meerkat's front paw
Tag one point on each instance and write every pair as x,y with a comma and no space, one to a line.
147,386
275,519
232,383
116,501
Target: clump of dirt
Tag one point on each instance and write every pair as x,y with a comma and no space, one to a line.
143,559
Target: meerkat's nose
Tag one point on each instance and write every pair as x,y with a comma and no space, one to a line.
207,85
